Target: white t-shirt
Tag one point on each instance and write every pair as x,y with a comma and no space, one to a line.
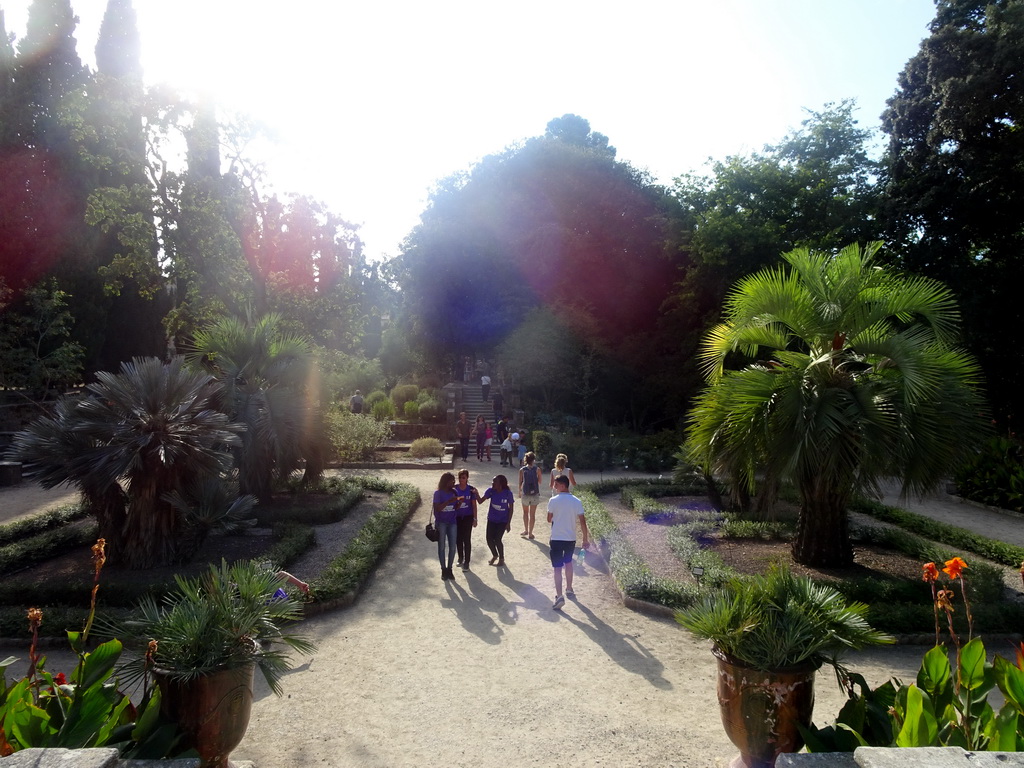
564,509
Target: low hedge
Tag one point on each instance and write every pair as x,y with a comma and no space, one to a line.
347,493
30,526
629,570
26,552
960,539
349,570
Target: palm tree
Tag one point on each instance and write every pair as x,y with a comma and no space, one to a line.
134,439
267,380
850,377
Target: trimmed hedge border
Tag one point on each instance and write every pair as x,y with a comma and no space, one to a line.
30,526
640,589
944,533
340,582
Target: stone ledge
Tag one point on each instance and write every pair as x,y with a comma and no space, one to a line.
95,758
919,757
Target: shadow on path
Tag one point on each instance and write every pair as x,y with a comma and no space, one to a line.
625,651
468,608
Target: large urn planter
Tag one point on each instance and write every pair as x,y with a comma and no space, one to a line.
212,710
771,632
761,710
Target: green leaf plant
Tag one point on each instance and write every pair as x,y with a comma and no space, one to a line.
948,705
86,709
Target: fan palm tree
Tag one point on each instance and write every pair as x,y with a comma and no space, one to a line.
850,377
132,440
267,385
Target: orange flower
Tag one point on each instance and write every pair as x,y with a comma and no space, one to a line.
929,572
954,568
35,617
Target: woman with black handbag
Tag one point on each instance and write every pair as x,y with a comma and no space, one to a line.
445,503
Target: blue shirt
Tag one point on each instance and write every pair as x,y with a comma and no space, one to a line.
501,507
466,496
447,512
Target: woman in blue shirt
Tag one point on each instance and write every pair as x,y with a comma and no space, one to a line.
499,516
465,518
446,501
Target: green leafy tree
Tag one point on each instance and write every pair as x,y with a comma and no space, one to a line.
266,377
834,373
129,444
556,222
36,353
954,172
814,189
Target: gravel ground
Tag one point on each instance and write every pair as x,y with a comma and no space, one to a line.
480,672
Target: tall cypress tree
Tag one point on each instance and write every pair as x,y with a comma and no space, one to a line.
121,203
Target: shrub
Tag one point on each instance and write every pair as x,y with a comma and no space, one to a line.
383,410
428,394
995,476
412,410
374,397
426,447
542,446
356,436
402,394
431,411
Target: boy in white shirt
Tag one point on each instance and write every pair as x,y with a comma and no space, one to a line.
564,510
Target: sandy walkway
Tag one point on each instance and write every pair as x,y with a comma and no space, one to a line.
481,672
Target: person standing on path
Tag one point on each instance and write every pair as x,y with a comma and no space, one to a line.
498,403
564,510
445,503
481,431
355,403
485,386
463,429
465,518
499,517
560,468
529,493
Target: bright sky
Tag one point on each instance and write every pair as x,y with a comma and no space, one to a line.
373,102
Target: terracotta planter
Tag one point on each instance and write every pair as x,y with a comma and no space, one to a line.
212,710
760,710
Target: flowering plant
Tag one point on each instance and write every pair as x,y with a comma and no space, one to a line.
948,704
85,710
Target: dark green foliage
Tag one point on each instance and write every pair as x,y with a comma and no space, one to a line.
543,447
431,411
756,529
958,538
870,353
780,621
343,496
954,171
29,526
995,475
42,546
128,442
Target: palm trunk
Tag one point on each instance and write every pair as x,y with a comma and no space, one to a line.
822,530
150,535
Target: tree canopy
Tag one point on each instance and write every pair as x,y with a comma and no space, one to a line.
955,171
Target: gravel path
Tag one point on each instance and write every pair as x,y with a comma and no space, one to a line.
481,673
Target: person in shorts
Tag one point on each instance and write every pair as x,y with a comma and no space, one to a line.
529,493
564,510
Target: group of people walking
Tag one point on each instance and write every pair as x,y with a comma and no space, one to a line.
456,513
481,434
